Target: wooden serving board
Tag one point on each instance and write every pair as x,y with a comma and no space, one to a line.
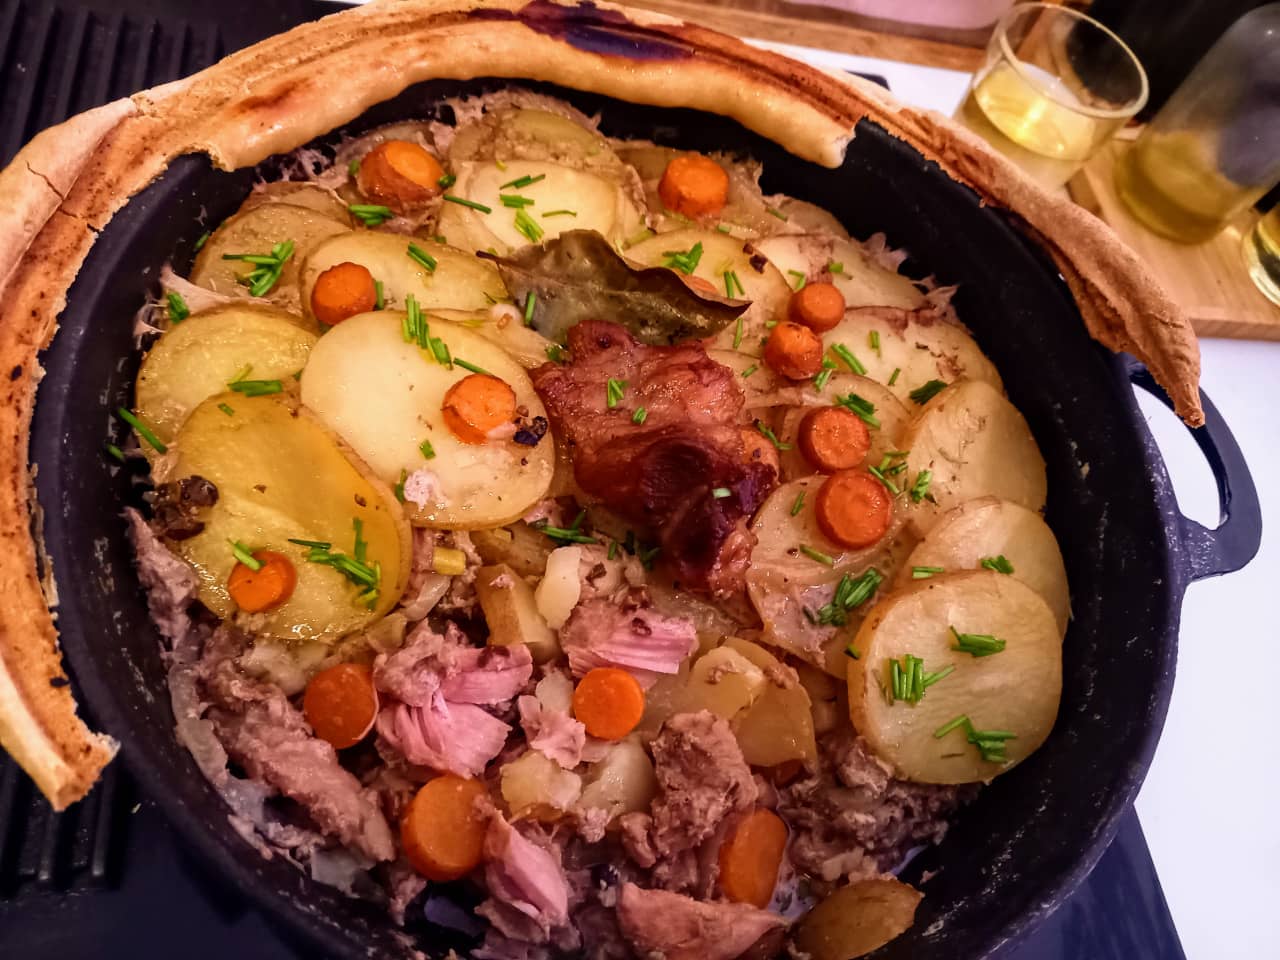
1208,280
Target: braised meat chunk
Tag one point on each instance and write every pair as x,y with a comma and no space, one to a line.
653,433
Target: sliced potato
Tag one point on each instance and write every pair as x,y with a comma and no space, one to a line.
890,416
300,193
383,396
256,231
762,284
975,443
522,133
536,787
724,682
504,324
1015,690
595,204
623,782
511,613
987,528
862,281
778,726
919,349
858,918
459,280
199,356
280,474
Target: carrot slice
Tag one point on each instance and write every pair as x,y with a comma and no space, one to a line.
794,351
477,404
342,291
609,702
256,590
819,306
751,856
853,508
760,449
694,186
400,174
341,704
442,830
833,438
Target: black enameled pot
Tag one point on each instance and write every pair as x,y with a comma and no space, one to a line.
1027,841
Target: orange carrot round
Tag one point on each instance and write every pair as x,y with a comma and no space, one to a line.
341,704
477,404
794,351
818,306
256,590
694,186
342,291
442,832
751,856
760,449
609,702
399,174
853,508
833,438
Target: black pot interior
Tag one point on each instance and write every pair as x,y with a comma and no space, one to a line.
1029,837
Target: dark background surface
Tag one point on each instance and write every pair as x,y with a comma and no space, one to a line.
109,877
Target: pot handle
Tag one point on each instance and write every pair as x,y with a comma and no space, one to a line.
1235,541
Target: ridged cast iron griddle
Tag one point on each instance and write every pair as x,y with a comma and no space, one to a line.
107,878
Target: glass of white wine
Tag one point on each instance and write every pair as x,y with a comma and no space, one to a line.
1054,87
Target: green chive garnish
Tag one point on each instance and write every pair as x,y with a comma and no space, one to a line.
528,226
370,214
447,181
267,267
515,201
457,362
115,452
256,388
142,430
999,564
799,278
464,202
864,409
873,341
201,241
771,436
227,409
313,544
737,330
555,353
353,168
920,489
852,362
178,309
927,391
719,493
686,261
893,377
835,266
750,370
378,302
976,644
731,282
428,451
640,415
924,573
776,213
530,302
244,555
818,555
418,255
799,504
614,389
521,182
560,213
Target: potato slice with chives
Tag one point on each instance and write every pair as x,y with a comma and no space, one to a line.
861,281
384,396
971,713
438,276
282,476
999,535
199,356
973,443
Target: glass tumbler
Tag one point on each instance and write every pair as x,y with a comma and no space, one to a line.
1055,86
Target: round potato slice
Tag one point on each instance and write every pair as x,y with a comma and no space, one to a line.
858,918
1007,698
919,349
199,356
593,202
862,281
383,396
989,528
974,443
458,281
256,231
280,476
504,324
757,280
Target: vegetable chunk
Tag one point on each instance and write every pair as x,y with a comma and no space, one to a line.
858,918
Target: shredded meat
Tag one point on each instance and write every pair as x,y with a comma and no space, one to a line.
171,585
675,927
661,474
600,633
854,819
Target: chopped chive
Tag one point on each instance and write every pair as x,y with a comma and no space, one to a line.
370,214
960,721
313,544
267,267
852,652
614,390
926,392
818,555
864,409
555,353
640,415
361,546
115,452
560,213
719,493
976,644
142,430
245,556
737,329
888,484
798,505
378,301
893,377
256,388
428,451
201,241
564,534
776,213
457,362
924,573
647,556
530,302
873,341
178,309
920,489
528,226
835,266
771,436
930,679
821,379
241,374
750,370
613,550
447,181
800,279
521,182
852,362
440,350
722,228
999,564
686,261
398,489
353,168
769,325
227,409
418,255
731,282
514,200
464,202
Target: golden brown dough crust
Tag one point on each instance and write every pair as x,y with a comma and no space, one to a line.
279,94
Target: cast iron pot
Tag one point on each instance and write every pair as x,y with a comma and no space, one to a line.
1029,838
